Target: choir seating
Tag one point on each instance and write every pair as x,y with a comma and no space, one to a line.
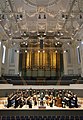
53,80
69,79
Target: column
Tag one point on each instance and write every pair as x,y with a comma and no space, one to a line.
7,61
65,62
0,57
81,51
74,58
16,63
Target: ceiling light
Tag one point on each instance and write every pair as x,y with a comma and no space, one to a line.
82,42
77,28
58,33
56,51
50,31
77,46
61,33
44,33
24,33
72,38
25,51
68,43
33,31
56,38
72,33
43,51
10,34
23,42
38,51
26,43
17,51
58,42
64,51
16,31
37,33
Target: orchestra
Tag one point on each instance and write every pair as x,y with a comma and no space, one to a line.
30,97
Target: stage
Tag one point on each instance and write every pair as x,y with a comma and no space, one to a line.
3,103
38,110
42,111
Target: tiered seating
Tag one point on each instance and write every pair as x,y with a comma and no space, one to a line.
2,81
69,79
80,81
16,80
30,80
41,117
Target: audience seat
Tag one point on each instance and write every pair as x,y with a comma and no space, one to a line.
41,117
71,117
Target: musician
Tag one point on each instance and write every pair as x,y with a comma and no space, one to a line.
9,102
30,92
35,99
75,99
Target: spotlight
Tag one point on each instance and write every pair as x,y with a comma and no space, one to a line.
66,17
58,33
21,17
80,16
24,33
44,16
17,16
63,16
39,16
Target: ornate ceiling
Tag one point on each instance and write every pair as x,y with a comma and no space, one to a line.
26,20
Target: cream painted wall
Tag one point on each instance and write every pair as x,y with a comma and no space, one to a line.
73,67
0,57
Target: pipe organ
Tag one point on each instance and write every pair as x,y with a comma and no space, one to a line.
40,59
40,63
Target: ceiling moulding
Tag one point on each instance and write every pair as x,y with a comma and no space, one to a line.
41,3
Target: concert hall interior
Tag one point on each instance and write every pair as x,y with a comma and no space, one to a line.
41,59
